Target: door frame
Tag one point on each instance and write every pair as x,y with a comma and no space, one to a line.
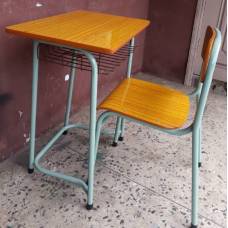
195,41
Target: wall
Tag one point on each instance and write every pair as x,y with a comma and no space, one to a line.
16,69
168,38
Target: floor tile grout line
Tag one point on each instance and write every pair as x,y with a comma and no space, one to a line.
146,187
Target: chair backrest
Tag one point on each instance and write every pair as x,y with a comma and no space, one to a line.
210,51
207,48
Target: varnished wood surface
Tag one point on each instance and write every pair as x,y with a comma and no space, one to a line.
207,48
83,29
147,102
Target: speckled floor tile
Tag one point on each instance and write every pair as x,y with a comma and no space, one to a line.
38,200
144,182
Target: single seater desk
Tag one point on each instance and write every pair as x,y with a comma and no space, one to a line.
88,41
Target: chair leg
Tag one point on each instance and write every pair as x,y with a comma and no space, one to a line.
117,132
200,151
122,130
199,158
195,148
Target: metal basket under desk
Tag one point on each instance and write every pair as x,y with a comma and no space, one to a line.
64,56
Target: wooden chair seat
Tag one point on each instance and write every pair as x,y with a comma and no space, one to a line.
150,103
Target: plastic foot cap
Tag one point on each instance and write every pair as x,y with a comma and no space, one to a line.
65,133
193,226
114,144
30,170
199,164
89,207
121,138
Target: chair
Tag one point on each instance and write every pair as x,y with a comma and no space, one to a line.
165,109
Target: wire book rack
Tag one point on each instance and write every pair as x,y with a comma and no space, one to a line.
66,57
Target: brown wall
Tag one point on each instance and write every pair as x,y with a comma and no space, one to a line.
16,69
168,38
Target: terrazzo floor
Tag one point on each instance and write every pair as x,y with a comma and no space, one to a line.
143,182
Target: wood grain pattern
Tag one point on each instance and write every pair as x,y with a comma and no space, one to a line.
207,48
83,29
147,102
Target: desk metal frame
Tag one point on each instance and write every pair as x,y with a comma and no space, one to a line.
34,161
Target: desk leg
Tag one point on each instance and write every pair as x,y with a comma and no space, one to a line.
92,128
33,108
70,91
129,65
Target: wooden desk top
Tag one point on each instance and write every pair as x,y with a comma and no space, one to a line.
83,29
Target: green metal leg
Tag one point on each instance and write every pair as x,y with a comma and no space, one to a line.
129,65
70,91
98,134
33,107
200,152
92,127
122,130
100,123
195,155
132,42
117,131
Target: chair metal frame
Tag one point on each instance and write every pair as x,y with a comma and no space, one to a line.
201,94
